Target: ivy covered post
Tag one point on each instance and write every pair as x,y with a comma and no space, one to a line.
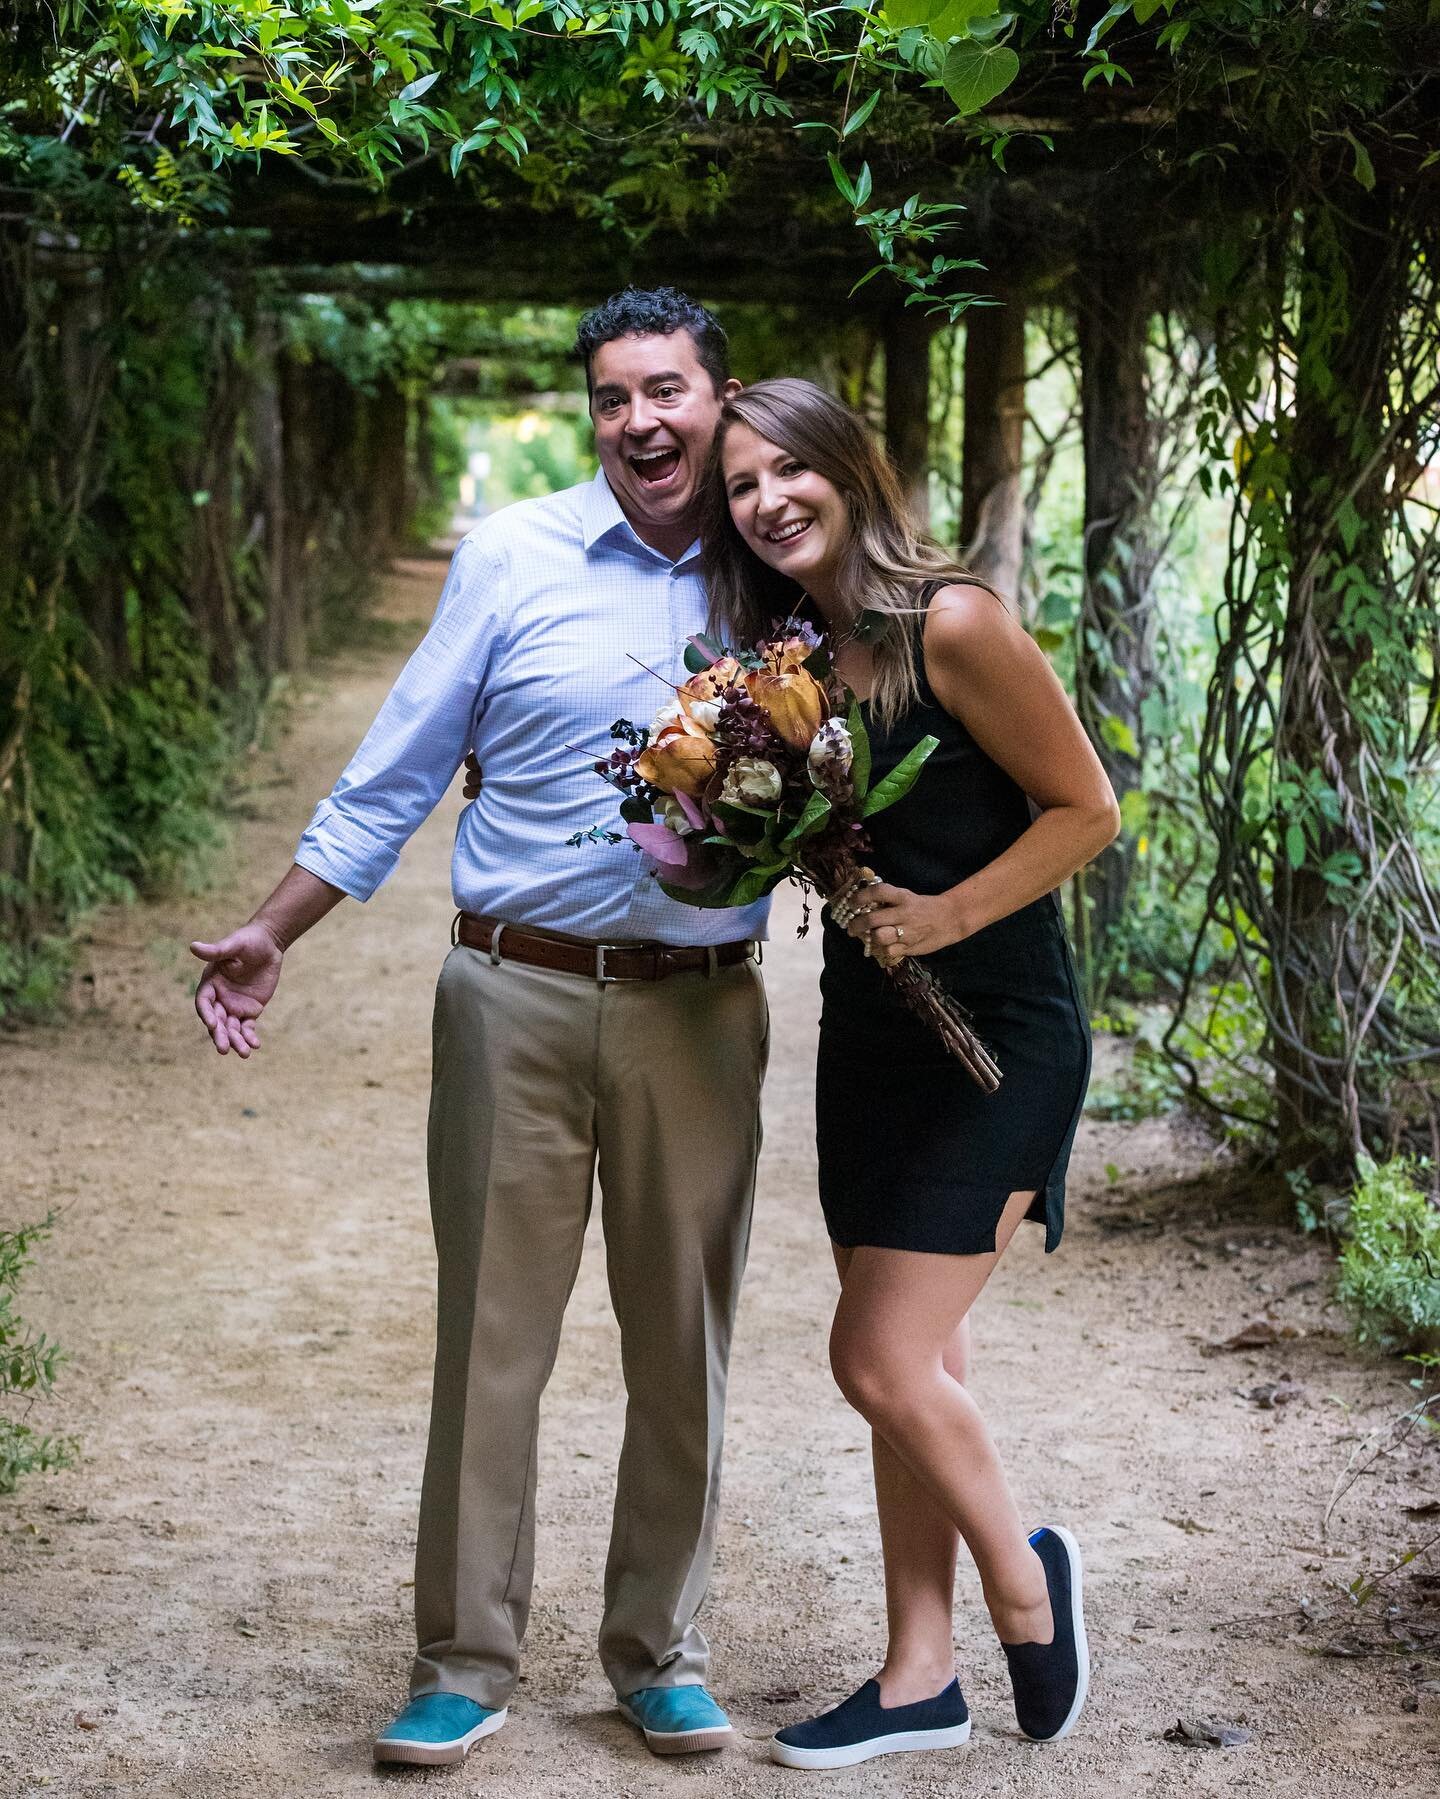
1338,692
907,402
992,505
1115,641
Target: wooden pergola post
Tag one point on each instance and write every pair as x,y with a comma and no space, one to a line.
907,403
992,506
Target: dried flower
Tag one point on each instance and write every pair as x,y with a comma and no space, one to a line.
673,816
751,781
680,758
831,756
794,703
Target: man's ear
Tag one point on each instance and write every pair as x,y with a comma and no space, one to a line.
731,388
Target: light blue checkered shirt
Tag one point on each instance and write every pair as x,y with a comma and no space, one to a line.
529,652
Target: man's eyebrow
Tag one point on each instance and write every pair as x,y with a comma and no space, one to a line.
665,375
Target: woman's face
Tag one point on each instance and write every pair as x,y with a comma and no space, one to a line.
792,518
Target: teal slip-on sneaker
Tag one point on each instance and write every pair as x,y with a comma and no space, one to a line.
435,1729
677,1720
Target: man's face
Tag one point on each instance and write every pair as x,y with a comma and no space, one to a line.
655,411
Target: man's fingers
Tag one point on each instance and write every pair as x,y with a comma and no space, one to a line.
207,952
205,1004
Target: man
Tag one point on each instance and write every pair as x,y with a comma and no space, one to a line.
581,1017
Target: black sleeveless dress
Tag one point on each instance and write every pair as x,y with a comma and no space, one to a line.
913,1155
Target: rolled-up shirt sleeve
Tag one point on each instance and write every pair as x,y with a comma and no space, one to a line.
409,755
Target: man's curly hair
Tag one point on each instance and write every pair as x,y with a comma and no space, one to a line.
654,312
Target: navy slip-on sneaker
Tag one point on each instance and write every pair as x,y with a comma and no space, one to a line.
677,1720
860,1727
436,1729
1050,1680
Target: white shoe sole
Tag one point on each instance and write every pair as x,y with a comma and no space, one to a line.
437,1755
679,1742
1077,1624
895,1743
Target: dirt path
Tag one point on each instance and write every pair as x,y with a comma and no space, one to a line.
217,1600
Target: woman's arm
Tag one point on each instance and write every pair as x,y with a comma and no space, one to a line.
991,675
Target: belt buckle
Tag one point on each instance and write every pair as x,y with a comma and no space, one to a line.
601,978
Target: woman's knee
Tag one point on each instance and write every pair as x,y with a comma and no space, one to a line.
882,1386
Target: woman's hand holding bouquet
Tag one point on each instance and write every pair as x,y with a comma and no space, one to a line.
759,772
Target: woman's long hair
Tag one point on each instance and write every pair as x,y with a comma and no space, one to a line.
887,558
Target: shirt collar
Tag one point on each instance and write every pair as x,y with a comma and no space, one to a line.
602,518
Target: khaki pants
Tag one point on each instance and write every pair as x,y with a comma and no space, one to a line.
536,1076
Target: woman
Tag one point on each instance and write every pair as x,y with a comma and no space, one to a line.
923,1177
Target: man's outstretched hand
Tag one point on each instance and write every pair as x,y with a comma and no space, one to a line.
241,972
473,778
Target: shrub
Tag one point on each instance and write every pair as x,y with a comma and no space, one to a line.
27,1366
1389,1274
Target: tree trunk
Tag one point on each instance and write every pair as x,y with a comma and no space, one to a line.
283,636
907,403
1347,310
1114,647
992,511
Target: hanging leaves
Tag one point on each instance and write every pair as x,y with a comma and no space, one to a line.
974,74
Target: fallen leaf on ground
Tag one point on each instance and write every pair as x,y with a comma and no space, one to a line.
1192,1527
1259,1334
781,1696
83,1721
1269,1394
1428,1508
1206,1733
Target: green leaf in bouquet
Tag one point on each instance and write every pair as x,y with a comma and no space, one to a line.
900,779
860,747
755,883
817,810
636,811
713,894
700,652
871,626
749,824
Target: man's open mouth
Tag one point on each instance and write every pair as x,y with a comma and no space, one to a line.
655,466
788,533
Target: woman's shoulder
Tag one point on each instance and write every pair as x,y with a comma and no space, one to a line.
966,615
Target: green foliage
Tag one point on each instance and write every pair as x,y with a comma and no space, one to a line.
27,1368
1389,1275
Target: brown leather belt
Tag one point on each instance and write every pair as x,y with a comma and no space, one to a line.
602,962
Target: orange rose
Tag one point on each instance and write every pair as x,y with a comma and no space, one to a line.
680,760
785,657
710,683
794,702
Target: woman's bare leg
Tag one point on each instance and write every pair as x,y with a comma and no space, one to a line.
892,1349
918,1544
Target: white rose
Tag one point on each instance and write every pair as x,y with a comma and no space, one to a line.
831,755
666,719
706,713
672,815
751,781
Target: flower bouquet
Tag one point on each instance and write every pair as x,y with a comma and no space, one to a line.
757,772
